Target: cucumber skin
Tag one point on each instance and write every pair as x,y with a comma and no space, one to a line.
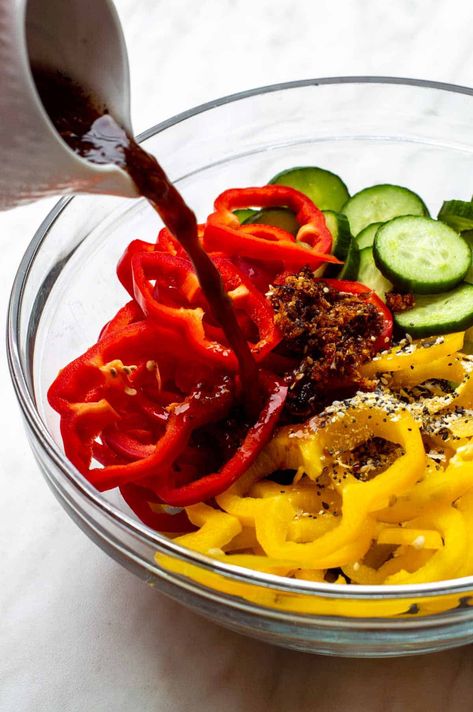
362,239
457,214
439,328
352,264
408,284
328,203
342,239
468,236
277,217
349,204
379,283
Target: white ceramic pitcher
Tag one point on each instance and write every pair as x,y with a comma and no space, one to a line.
82,39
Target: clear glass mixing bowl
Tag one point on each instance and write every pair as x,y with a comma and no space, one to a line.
368,130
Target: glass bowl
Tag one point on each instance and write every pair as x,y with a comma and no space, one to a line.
368,130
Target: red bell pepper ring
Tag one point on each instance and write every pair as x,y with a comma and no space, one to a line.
128,314
198,409
210,485
96,391
310,247
84,378
124,273
166,242
175,280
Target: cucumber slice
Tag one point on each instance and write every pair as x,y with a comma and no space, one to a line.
366,237
370,275
458,214
468,236
439,313
352,262
338,225
244,213
324,188
421,255
381,203
277,217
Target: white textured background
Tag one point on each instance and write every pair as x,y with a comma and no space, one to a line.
77,632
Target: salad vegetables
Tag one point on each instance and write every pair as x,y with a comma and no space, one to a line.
352,458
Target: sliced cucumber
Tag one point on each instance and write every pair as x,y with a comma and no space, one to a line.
338,225
381,203
458,214
468,236
352,262
370,275
439,313
324,188
244,213
366,237
277,217
421,255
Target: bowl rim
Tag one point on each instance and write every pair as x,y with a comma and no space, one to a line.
22,387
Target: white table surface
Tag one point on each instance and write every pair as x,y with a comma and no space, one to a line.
78,632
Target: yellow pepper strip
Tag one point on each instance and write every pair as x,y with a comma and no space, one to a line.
216,529
330,550
305,528
441,487
419,353
317,605
302,495
451,428
246,539
357,422
404,558
362,421
313,519
449,368
445,562
362,574
282,452
259,563
465,393
310,574
404,536
465,507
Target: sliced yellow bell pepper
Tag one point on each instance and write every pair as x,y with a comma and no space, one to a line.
449,368
438,487
417,353
447,561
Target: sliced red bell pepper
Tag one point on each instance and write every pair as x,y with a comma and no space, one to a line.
167,290
199,408
128,314
153,513
311,246
99,390
258,435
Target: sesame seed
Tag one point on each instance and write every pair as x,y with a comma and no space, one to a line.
419,542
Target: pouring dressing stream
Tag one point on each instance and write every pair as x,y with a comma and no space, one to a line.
84,123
